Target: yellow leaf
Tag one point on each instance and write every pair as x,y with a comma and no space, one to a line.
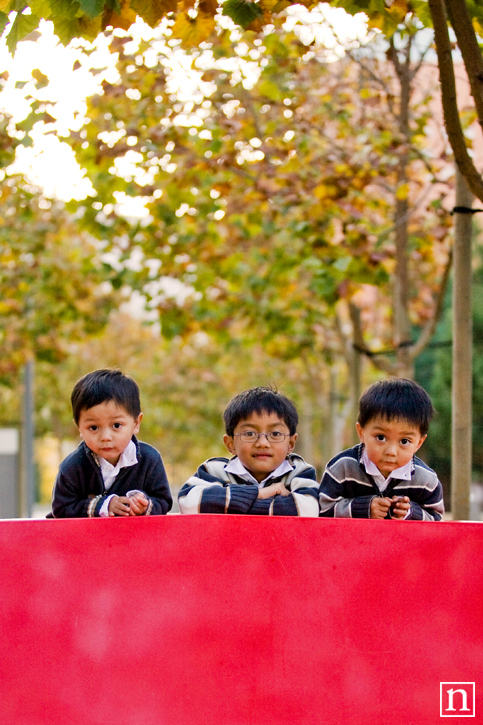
402,192
321,191
193,31
122,20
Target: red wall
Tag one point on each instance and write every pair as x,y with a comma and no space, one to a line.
232,620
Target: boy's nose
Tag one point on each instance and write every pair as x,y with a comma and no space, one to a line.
263,440
106,434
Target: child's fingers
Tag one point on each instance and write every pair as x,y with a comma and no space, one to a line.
139,504
136,509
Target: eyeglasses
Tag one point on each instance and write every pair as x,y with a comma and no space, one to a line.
275,436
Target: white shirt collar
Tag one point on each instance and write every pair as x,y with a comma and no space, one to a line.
236,466
109,472
404,472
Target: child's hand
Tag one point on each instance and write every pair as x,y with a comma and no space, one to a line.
275,489
139,504
380,506
400,506
119,506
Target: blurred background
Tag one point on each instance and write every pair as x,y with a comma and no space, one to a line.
269,206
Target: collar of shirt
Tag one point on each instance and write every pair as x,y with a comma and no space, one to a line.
404,472
109,472
235,466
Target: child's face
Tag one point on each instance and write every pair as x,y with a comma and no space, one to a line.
261,457
390,444
107,429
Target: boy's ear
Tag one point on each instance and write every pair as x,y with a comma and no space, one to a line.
360,432
291,442
138,422
229,444
421,441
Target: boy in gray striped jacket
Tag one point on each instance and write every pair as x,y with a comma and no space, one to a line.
381,478
264,476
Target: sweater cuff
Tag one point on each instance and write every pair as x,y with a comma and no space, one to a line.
361,507
95,505
241,498
416,512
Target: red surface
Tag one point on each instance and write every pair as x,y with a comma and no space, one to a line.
237,620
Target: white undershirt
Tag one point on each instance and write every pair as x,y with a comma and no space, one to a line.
404,472
109,472
236,466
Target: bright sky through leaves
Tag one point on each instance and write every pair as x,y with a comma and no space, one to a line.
49,163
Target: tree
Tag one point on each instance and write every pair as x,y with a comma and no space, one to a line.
275,208
54,287
196,23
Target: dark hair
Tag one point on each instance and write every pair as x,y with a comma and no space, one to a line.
101,386
260,400
396,399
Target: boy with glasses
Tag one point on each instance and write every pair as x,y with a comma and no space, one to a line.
264,476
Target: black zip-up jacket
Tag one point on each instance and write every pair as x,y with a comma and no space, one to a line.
79,487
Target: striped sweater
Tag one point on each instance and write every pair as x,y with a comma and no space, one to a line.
213,490
346,490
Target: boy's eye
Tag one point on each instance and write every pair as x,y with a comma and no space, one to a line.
276,435
380,437
116,426
93,428
405,441
249,435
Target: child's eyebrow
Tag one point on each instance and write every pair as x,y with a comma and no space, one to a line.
270,425
403,434
119,416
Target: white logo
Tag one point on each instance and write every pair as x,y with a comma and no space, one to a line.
457,699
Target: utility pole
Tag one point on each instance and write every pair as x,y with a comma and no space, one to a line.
461,436
27,476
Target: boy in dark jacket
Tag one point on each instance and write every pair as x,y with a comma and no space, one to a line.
381,478
111,473
264,476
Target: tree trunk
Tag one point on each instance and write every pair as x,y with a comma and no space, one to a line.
462,358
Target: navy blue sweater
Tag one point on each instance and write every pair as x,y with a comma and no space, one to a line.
79,487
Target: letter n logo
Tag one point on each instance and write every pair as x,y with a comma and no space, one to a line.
457,699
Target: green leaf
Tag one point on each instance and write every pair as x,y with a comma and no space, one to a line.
151,11
64,8
3,22
21,26
241,12
41,8
92,8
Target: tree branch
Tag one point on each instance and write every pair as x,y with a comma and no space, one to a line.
470,50
449,99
